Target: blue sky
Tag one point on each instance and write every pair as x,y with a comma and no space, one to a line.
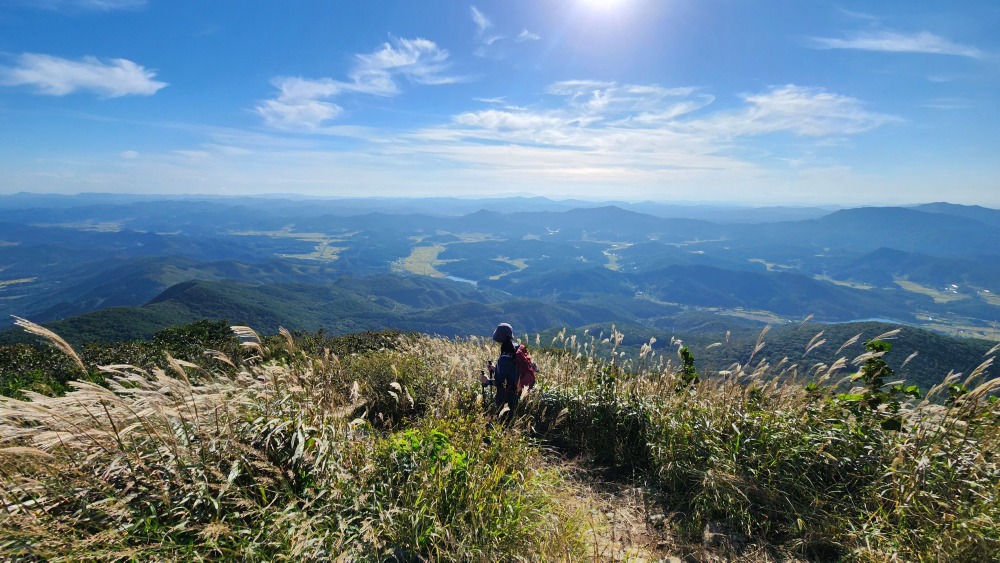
746,101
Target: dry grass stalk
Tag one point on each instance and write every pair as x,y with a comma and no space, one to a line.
289,341
849,342
52,338
249,338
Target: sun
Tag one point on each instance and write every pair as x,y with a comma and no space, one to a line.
603,4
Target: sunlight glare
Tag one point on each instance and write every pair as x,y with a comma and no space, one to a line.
603,4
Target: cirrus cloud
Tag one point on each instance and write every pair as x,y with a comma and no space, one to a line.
526,35
56,76
640,139
583,136
487,40
479,18
83,5
642,131
894,42
799,110
304,104
295,113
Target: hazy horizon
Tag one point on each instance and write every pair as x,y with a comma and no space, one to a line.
485,197
676,101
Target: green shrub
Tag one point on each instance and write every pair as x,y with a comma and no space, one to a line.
392,386
457,489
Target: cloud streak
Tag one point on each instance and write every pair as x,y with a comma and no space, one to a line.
526,35
487,40
893,42
639,133
482,22
798,110
584,138
55,76
304,104
85,5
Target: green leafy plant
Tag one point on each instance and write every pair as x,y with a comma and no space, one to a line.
689,375
877,400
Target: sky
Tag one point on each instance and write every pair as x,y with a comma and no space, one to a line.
759,102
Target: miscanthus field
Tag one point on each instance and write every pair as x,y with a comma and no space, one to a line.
384,447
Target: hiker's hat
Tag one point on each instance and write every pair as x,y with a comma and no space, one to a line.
503,332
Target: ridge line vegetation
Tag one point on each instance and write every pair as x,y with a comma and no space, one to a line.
383,447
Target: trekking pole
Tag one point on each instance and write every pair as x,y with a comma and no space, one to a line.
485,380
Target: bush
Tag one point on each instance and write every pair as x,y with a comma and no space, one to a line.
392,386
457,489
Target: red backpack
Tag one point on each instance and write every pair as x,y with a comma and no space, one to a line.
525,368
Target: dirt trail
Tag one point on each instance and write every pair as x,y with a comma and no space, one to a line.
623,524
619,523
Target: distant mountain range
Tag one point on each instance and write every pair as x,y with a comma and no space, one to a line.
111,267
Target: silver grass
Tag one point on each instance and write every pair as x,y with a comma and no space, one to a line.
52,338
849,342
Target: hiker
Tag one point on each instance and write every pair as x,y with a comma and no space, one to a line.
513,370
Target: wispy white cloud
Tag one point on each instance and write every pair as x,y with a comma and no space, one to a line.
501,102
55,76
581,139
84,5
194,155
419,60
483,25
497,120
297,113
628,101
631,134
491,39
228,150
304,104
949,104
944,77
894,42
592,116
129,154
482,22
858,15
300,88
798,110
487,39
526,35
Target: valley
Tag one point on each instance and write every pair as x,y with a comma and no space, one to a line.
574,266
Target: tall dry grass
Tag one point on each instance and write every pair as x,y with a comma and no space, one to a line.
307,458
395,453
781,453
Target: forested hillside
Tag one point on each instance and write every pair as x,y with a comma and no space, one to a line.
913,265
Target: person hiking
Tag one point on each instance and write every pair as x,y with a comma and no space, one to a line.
513,370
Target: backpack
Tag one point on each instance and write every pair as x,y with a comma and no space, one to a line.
516,368
506,370
525,368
